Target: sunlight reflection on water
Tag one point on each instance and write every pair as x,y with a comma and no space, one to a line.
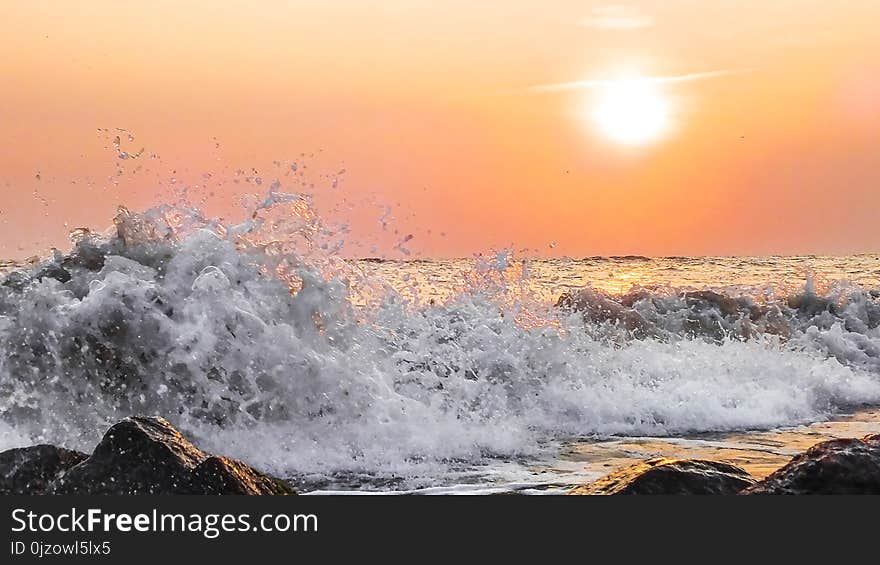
422,281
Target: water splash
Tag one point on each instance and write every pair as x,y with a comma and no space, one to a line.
253,337
259,339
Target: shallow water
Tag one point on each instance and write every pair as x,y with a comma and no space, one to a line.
578,462
263,344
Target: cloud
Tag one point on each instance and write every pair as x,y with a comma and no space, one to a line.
670,79
617,17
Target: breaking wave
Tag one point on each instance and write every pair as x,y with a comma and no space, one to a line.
264,348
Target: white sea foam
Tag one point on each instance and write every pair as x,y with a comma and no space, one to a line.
260,352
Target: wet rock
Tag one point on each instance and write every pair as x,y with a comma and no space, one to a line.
597,306
53,271
710,299
671,476
29,470
220,475
136,456
149,456
839,466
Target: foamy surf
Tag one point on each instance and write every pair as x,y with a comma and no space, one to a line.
267,350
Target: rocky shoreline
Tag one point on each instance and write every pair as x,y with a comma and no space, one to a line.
136,456
839,466
147,455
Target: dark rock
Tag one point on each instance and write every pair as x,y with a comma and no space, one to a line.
136,456
220,475
29,470
707,298
839,466
671,476
148,456
53,271
597,306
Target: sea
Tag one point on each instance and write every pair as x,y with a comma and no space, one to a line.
498,372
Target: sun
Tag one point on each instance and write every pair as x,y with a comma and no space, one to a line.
631,111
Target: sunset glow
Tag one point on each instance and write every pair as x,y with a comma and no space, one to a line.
476,132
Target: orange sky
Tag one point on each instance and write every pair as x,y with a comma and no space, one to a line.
426,106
